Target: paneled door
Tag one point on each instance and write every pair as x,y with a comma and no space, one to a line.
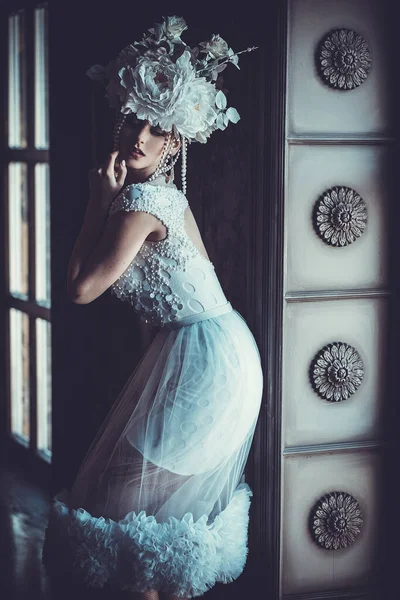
325,287
335,296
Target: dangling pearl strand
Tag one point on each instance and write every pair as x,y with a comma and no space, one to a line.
120,120
184,163
163,166
172,163
161,163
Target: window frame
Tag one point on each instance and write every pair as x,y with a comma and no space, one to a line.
30,156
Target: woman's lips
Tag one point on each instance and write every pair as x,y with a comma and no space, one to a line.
135,152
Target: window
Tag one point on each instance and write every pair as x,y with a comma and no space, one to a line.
27,233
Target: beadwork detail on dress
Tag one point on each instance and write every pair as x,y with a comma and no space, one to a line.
170,279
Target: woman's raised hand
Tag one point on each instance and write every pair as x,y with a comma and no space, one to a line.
105,182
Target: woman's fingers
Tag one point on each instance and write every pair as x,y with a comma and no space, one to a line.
121,173
110,164
108,167
107,180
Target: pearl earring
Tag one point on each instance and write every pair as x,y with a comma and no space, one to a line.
161,165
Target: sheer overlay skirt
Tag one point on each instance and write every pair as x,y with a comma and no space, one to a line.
159,501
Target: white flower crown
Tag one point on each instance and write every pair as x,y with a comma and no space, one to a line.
171,85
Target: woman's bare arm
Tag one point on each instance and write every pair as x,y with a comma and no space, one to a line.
92,229
104,186
121,240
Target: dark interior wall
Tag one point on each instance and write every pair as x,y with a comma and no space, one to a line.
96,346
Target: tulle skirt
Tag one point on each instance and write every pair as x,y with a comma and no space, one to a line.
159,501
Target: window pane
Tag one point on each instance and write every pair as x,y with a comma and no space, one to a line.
17,119
41,77
42,229
18,229
43,358
19,376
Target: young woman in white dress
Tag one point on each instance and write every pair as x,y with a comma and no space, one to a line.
159,506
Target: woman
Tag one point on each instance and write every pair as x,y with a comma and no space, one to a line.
158,504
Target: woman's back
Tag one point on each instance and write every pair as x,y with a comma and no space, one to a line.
191,229
172,278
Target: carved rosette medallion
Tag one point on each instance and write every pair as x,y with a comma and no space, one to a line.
336,372
344,59
335,520
340,216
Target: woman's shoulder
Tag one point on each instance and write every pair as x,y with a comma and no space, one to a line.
153,194
150,189
148,196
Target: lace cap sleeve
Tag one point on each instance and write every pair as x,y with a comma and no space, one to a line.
164,204
136,198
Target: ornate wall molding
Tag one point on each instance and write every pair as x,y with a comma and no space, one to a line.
336,372
335,520
340,216
343,59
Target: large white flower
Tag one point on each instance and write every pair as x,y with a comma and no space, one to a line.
196,114
169,94
155,87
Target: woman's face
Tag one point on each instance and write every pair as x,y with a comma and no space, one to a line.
140,144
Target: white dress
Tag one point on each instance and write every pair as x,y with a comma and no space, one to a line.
159,501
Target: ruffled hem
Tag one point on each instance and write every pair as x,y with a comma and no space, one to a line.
182,557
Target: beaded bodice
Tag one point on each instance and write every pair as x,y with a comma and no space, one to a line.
170,279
